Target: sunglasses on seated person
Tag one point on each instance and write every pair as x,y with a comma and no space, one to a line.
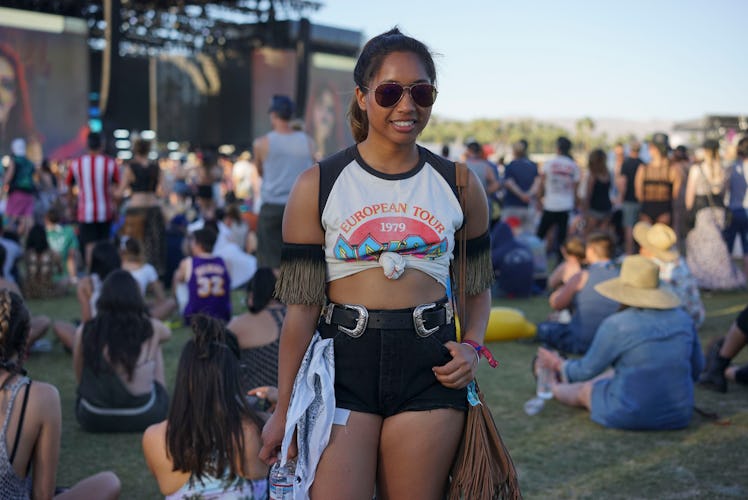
389,94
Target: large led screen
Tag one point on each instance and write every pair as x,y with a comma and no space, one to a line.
44,79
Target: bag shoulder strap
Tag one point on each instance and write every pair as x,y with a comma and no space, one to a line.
462,178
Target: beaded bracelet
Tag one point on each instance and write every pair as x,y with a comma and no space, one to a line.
481,350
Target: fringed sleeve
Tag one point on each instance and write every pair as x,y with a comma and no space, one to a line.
302,275
479,275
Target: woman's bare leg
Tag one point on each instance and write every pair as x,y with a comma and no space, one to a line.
576,394
65,331
416,452
348,466
101,486
39,326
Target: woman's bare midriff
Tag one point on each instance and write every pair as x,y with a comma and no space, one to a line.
373,290
143,199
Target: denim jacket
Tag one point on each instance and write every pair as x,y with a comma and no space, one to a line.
656,356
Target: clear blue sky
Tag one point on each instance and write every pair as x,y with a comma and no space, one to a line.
632,59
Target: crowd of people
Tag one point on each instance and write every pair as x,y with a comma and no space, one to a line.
353,251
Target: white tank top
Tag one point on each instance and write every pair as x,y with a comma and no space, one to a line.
399,221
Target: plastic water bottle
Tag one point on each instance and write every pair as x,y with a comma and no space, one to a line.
544,390
282,479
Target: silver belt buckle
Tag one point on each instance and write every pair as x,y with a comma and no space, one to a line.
361,322
418,323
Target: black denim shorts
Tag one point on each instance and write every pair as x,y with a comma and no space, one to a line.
386,371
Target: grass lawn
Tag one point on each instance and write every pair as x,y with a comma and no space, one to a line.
559,453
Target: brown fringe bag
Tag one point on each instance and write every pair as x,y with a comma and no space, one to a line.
483,468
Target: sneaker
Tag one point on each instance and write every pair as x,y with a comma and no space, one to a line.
41,345
714,381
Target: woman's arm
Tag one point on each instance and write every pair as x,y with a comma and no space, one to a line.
458,372
676,177
157,289
9,173
78,353
47,447
301,226
690,189
605,348
160,330
639,183
124,183
83,292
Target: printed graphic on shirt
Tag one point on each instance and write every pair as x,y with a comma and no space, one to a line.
411,230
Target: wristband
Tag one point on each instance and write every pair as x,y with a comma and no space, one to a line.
477,356
481,350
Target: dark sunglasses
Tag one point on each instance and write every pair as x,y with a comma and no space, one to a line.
389,94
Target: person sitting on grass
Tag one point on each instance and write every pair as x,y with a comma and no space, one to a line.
718,369
573,252
32,421
258,332
651,346
147,278
209,444
40,265
658,243
208,284
39,322
118,362
589,308
64,243
104,258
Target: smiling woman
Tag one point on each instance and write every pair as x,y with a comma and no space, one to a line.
370,233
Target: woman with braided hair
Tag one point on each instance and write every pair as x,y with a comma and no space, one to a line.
208,446
31,421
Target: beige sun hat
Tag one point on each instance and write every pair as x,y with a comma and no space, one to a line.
658,239
639,286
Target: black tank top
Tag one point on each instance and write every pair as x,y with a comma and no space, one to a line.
146,177
600,197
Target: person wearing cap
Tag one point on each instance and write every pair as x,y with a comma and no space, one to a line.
650,339
280,155
559,180
19,183
658,243
736,197
706,183
579,294
627,192
658,183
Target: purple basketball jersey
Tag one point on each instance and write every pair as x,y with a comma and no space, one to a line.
209,289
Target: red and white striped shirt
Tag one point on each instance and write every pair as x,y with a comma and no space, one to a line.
94,174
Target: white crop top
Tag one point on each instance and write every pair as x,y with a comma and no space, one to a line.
372,219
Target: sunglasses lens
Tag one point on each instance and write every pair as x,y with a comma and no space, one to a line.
388,94
423,94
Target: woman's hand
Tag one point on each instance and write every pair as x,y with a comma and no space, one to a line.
268,393
460,371
272,438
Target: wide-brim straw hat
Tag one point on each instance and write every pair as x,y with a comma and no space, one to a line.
639,286
658,239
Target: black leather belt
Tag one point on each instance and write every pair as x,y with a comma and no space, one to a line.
353,319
